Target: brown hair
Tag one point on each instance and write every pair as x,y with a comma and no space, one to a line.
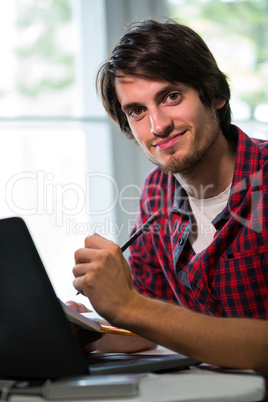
170,51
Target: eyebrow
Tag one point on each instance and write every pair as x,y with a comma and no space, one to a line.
159,94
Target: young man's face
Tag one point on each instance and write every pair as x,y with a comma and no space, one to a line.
170,123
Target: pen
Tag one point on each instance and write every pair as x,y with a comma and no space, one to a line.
135,235
140,231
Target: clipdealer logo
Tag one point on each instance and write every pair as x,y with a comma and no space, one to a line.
38,193
81,211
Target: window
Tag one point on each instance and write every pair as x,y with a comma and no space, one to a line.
48,123
38,51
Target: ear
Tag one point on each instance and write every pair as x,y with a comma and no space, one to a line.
218,103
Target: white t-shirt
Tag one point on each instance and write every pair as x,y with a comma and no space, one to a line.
203,213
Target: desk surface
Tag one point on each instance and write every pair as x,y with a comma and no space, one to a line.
195,385
198,384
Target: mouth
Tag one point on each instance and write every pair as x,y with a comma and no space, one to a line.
169,141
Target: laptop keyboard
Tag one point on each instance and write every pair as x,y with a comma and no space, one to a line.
123,363
111,358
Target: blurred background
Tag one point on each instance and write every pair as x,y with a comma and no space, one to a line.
64,166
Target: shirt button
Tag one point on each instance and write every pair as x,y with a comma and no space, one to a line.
181,241
198,286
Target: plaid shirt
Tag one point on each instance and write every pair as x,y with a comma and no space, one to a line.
230,276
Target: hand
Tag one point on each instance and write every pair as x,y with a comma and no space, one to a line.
88,340
103,275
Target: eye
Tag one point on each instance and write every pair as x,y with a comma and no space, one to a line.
136,113
173,97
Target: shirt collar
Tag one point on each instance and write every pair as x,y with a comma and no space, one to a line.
246,165
180,202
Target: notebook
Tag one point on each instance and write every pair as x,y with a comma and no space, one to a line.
36,339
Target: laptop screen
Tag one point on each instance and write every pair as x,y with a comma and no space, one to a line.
36,340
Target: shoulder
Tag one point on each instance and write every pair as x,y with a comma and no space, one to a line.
252,152
158,188
255,159
249,143
156,176
262,146
158,182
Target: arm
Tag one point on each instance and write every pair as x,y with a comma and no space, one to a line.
102,274
228,342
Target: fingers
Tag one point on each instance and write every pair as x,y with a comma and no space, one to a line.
81,308
94,260
82,256
84,275
93,244
97,242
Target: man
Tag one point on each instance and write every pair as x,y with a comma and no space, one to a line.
208,249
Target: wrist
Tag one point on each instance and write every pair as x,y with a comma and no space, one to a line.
131,312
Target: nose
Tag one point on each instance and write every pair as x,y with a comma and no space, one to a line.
161,123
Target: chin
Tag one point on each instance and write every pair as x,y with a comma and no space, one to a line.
178,166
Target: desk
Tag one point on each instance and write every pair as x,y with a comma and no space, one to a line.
195,385
198,384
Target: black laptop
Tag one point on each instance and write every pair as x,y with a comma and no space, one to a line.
36,339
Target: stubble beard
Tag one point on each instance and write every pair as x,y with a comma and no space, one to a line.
182,165
189,164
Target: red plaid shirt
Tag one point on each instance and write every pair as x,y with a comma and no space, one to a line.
229,277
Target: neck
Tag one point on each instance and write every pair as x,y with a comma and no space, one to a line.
213,173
